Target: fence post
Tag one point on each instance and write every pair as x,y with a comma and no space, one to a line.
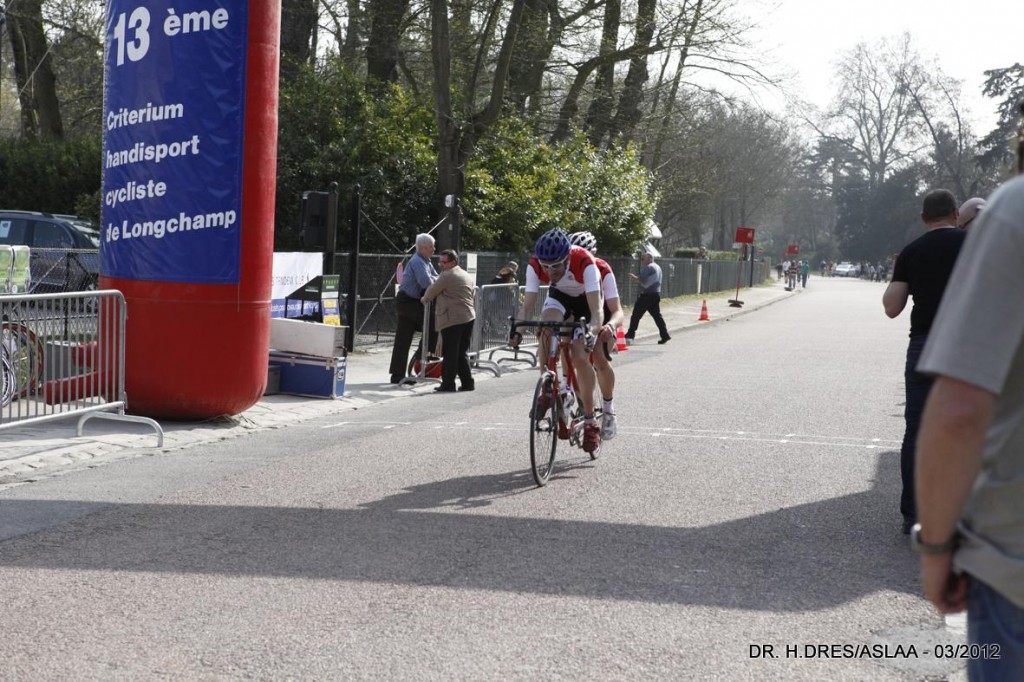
353,268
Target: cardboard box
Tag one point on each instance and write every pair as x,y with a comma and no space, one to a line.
307,338
310,375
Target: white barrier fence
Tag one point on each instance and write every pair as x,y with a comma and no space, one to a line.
61,356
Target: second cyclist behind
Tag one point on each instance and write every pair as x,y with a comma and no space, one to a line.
613,317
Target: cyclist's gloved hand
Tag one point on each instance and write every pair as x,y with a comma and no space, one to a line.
514,339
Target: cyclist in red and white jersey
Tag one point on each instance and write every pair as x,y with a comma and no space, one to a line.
613,318
574,292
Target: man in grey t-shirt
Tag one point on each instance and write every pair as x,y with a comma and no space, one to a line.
970,453
649,298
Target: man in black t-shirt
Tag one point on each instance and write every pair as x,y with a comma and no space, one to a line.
922,270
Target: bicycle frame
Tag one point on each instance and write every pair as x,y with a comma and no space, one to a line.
558,342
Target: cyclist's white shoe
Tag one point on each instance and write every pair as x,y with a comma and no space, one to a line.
608,426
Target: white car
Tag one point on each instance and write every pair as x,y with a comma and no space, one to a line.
846,270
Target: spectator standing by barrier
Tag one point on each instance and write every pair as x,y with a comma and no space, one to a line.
970,465
418,275
649,298
922,270
508,274
455,315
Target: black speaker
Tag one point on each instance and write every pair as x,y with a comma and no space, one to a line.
315,206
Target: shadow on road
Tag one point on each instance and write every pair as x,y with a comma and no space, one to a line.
807,557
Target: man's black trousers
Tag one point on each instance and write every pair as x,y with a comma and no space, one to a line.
647,302
455,342
410,320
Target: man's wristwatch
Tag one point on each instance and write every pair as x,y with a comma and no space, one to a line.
922,547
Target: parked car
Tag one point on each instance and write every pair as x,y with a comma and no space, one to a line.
846,270
65,249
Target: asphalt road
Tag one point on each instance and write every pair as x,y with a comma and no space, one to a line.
750,499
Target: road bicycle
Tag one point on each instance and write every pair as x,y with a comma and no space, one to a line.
21,360
556,412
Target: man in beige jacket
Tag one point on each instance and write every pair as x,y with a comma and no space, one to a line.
454,318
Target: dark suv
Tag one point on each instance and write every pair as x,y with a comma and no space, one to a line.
65,249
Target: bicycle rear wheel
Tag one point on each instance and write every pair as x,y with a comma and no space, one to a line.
544,428
25,353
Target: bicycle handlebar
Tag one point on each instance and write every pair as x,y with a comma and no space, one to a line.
564,329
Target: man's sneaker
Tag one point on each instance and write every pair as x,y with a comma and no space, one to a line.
591,437
608,427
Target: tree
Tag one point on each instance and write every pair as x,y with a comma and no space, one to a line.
517,187
875,222
298,26
382,44
33,70
459,130
874,115
1007,84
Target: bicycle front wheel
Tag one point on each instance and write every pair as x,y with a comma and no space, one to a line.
544,428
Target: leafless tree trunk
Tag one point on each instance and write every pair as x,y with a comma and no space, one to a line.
298,26
382,45
874,114
29,123
456,139
599,116
670,101
37,84
630,100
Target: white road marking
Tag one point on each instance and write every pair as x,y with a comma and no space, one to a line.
367,423
672,432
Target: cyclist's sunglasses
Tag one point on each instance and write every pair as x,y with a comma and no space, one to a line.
557,265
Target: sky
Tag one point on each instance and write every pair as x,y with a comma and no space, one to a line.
964,38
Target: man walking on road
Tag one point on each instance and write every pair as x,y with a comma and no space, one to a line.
922,270
649,298
970,466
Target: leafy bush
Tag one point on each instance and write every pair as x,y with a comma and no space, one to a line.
330,130
50,176
518,186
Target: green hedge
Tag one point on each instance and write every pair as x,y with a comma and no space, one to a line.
55,177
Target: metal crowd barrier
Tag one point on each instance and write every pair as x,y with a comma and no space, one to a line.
495,304
62,355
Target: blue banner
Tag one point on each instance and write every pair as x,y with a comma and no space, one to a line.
173,120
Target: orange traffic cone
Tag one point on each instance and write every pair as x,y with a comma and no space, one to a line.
620,339
704,311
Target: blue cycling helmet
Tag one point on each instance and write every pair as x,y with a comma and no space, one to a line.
553,245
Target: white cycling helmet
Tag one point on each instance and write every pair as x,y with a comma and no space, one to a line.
585,239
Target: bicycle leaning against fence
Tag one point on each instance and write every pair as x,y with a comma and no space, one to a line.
21,360
556,413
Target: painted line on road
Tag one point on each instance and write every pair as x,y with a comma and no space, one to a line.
698,434
389,425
